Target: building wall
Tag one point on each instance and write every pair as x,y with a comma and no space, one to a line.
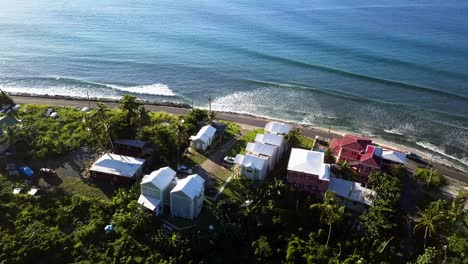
253,174
150,190
112,178
198,203
181,206
199,144
364,171
307,182
348,154
127,150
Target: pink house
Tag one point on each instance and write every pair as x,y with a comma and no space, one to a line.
349,148
308,172
364,157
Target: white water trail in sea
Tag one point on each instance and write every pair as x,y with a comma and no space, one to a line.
150,89
156,89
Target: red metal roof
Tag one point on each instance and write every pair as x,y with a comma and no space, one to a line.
355,142
370,159
335,146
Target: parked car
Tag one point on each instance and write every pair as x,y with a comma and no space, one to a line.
184,169
47,172
413,156
229,160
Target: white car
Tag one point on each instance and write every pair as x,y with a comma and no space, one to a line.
184,169
229,160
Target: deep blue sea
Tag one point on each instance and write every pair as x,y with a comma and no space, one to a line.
396,70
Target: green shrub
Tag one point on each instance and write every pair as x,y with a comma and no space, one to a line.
430,177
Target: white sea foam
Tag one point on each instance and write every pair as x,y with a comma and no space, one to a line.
149,89
442,153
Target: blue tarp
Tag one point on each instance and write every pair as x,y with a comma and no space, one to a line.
26,171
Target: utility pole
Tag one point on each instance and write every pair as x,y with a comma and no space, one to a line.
209,102
192,101
89,103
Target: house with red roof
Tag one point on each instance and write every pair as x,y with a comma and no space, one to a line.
359,153
349,148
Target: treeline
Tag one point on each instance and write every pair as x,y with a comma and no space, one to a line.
56,227
41,137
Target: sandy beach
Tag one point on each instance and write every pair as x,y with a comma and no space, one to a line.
245,121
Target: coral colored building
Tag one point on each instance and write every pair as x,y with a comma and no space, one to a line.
364,157
308,172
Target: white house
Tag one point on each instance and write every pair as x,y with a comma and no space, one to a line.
187,197
273,140
359,196
155,189
204,138
252,167
263,150
277,128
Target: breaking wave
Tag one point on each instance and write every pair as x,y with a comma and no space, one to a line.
67,86
150,89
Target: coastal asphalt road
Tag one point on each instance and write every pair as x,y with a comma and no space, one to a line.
254,122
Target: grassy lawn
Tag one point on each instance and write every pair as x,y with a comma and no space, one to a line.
232,129
203,220
230,193
239,148
306,142
77,186
193,158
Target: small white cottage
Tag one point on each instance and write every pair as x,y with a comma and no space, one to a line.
204,138
277,128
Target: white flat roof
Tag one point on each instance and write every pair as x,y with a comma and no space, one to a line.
395,156
148,202
350,190
310,162
261,148
270,139
250,161
160,178
191,185
277,128
117,165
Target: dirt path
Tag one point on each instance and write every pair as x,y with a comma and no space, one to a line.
212,166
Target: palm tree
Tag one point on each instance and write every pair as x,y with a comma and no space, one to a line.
429,219
212,116
276,189
331,211
143,117
294,137
329,157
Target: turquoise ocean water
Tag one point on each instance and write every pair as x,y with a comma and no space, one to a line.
397,70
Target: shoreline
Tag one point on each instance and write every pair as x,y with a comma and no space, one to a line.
240,118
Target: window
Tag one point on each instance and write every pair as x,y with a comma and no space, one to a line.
249,170
307,177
